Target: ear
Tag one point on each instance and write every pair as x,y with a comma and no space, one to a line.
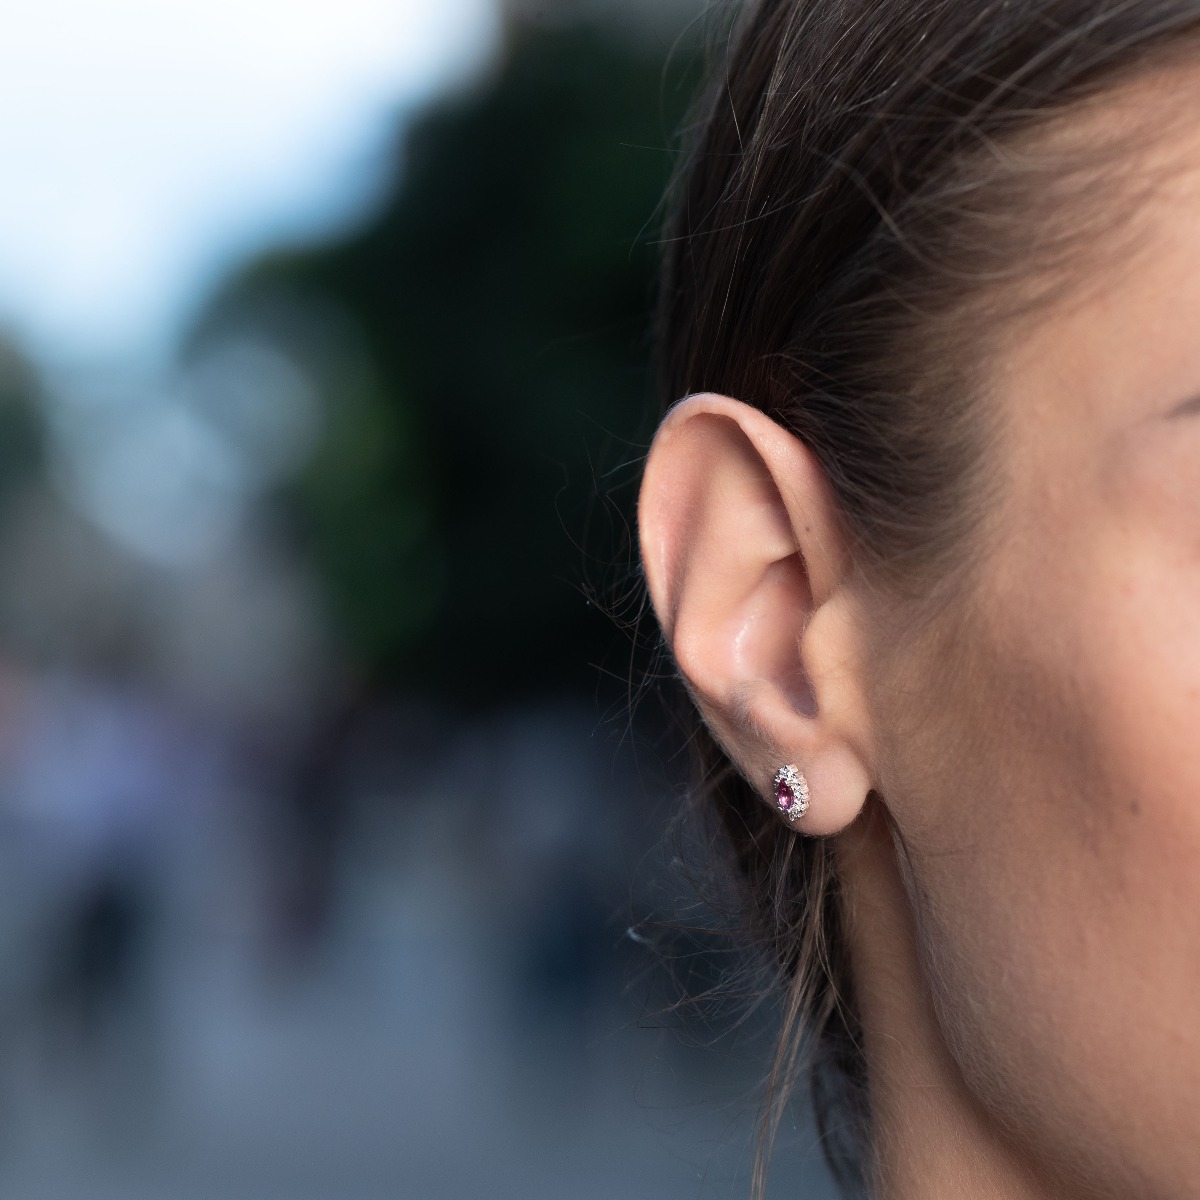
749,574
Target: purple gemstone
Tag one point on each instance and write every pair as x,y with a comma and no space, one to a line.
784,796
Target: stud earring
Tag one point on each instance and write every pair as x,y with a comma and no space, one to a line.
791,792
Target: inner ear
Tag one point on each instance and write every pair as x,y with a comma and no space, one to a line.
778,654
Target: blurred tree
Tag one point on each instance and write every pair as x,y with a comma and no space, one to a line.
501,298
22,436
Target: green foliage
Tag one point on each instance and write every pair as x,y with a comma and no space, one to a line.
503,295
22,441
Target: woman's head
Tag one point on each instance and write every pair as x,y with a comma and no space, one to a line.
942,550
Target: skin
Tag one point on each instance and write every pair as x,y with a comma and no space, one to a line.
1014,789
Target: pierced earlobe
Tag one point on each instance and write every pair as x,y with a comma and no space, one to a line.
791,792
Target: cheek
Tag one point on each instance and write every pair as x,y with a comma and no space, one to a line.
1054,859
1144,674
1141,666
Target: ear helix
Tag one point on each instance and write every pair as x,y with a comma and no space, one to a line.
791,792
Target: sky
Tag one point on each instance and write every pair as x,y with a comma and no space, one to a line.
146,146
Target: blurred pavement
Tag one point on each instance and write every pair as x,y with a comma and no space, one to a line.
402,1058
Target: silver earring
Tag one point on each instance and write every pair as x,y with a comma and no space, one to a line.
791,792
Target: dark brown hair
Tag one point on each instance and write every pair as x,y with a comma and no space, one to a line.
868,199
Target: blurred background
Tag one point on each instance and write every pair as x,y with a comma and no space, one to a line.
332,840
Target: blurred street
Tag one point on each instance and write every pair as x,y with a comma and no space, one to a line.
433,1045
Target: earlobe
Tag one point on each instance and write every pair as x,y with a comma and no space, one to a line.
747,570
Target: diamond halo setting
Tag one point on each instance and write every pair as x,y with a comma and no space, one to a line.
791,792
